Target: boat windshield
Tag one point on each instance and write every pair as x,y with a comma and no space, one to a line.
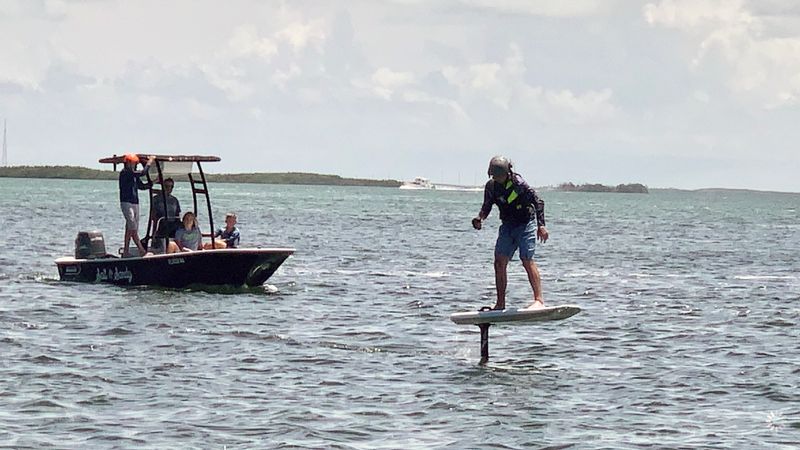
176,167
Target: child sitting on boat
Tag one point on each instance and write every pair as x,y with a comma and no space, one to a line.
229,237
187,239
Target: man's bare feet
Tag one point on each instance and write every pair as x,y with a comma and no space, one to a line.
499,306
537,303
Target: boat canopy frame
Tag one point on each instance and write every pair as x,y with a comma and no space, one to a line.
199,187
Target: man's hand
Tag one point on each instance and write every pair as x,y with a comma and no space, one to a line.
542,233
476,223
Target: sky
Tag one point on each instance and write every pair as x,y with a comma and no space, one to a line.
668,93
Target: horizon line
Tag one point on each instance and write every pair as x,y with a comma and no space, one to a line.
715,188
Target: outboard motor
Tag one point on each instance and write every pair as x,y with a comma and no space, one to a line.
90,245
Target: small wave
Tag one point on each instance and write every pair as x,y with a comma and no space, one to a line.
267,289
10,341
44,359
418,304
775,420
66,305
586,274
29,325
116,331
340,272
41,404
435,274
350,347
765,277
102,399
167,367
39,278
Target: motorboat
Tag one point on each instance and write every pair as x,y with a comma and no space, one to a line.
418,183
215,266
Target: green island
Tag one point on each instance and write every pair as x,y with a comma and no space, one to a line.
632,188
83,173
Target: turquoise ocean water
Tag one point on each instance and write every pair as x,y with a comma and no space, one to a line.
689,335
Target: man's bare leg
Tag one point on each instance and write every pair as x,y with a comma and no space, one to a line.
138,242
536,282
127,245
500,280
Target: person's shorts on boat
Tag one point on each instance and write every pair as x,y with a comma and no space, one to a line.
131,213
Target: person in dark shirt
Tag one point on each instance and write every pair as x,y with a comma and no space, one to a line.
130,182
165,220
229,236
173,209
522,217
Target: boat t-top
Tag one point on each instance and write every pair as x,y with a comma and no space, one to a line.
216,266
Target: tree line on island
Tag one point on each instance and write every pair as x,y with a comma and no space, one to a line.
631,188
83,173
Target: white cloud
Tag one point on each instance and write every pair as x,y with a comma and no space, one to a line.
505,86
757,66
309,95
416,96
56,8
11,9
589,106
200,110
253,54
492,81
385,82
246,42
301,35
99,97
281,77
481,80
229,79
23,63
691,14
701,96
387,78
150,104
549,8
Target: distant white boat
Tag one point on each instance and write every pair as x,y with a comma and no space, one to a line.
418,183
423,183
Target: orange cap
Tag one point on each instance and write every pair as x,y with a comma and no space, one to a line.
132,158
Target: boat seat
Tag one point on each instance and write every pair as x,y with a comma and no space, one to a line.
166,227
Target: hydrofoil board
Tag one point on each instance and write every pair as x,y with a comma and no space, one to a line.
523,316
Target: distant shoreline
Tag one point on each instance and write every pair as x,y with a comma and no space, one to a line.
631,188
83,173
301,178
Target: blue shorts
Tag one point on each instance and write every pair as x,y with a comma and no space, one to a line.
511,237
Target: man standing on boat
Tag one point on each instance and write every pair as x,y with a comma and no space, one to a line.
130,182
522,216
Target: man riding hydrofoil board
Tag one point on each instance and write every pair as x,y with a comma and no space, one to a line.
522,217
